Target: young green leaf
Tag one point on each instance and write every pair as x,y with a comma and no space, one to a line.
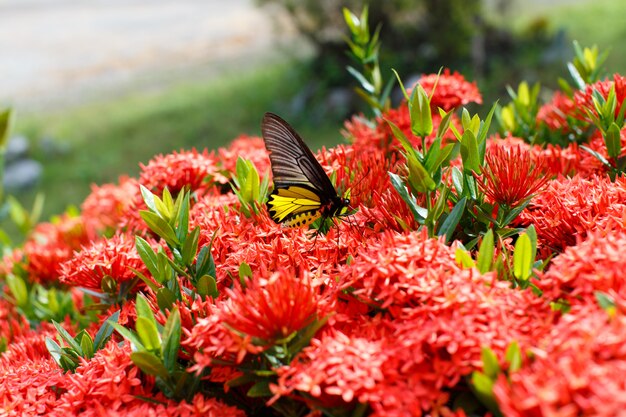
463,258
171,340
491,367
147,255
148,334
6,125
483,387
159,226
149,363
522,258
485,253
18,289
207,286
469,152
245,271
418,213
513,356
606,302
190,247
259,390
612,139
420,112
105,331
451,222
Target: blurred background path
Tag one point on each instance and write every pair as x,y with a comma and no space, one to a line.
60,51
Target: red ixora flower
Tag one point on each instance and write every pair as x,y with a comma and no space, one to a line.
584,98
115,258
30,380
50,244
271,309
451,90
181,169
251,148
595,264
106,205
510,175
577,370
555,113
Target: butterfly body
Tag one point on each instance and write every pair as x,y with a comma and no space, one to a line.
302,190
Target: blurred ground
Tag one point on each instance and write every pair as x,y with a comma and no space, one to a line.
62,52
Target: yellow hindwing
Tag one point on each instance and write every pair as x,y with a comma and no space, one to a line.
294,206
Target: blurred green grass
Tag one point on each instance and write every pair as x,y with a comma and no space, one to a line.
99,142
96,143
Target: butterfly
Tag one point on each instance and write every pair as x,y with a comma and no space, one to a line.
302,191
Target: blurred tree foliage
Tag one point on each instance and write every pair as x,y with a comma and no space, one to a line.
418,36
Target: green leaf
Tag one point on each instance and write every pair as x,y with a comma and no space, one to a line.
434,159
485,253
469,152
86,345
171,340
6,125
148,334
419,178
205,264
513,356
351,20
483,387
491,367
457,180
421,117
365,84
159,226
182,215
148,198
143,308
484,128
612,140
451,222
18,289
206,285
105,331
406,95
406,144
55,350
606,302
165,298
260,389
596,155
463,258
127,334
245,271
522,257
147,255
418,212
150,364
190,247
444,125
67,338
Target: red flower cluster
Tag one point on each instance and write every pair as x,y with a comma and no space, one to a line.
373,315
576,370
181,169
510,175
584,99
114,258
568,208
555,113
450,91
50,244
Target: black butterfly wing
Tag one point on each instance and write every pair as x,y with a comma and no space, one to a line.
292,161
301,187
